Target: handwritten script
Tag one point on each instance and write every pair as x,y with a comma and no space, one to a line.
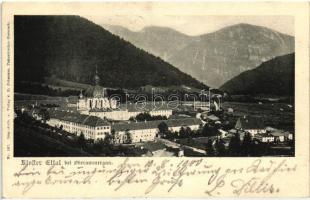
152,175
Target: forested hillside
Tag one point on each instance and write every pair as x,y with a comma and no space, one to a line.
275,77
71,47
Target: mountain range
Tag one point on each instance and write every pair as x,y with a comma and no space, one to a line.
71,48
275,77
212,58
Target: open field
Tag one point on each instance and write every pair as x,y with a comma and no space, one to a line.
277,115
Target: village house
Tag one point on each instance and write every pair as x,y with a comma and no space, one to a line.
250,124
174,125
264,137
279,136
203,105
157,149
282,136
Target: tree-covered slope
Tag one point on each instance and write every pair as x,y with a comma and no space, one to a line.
275,77
71,47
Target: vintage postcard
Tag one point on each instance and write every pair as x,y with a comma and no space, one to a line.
155,99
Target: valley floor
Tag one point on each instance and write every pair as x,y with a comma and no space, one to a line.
33,138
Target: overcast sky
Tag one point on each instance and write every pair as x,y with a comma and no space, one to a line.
195,25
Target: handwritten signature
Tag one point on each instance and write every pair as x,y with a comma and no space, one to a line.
256,178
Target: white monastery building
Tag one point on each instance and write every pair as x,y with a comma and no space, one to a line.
92,127
96,128
148,130
100,105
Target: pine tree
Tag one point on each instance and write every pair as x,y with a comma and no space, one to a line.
182,132
234,145
247,147
163,127
81,141
108,139
220,148
113,134
210,149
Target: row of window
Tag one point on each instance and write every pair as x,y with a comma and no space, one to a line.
87,133
161,111
102,133
103,127
84,126
143,136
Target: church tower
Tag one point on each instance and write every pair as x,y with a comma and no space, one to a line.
98,99
96,78
98,91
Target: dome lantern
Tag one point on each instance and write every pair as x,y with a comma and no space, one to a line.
97,78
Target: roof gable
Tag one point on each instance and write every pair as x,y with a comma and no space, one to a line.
249,123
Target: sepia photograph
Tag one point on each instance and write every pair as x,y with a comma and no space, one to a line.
154,86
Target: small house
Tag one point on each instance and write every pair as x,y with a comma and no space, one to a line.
250,124
265,137
281,136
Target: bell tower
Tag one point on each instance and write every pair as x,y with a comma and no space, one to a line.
97,90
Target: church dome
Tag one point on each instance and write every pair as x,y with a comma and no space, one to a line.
96,91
